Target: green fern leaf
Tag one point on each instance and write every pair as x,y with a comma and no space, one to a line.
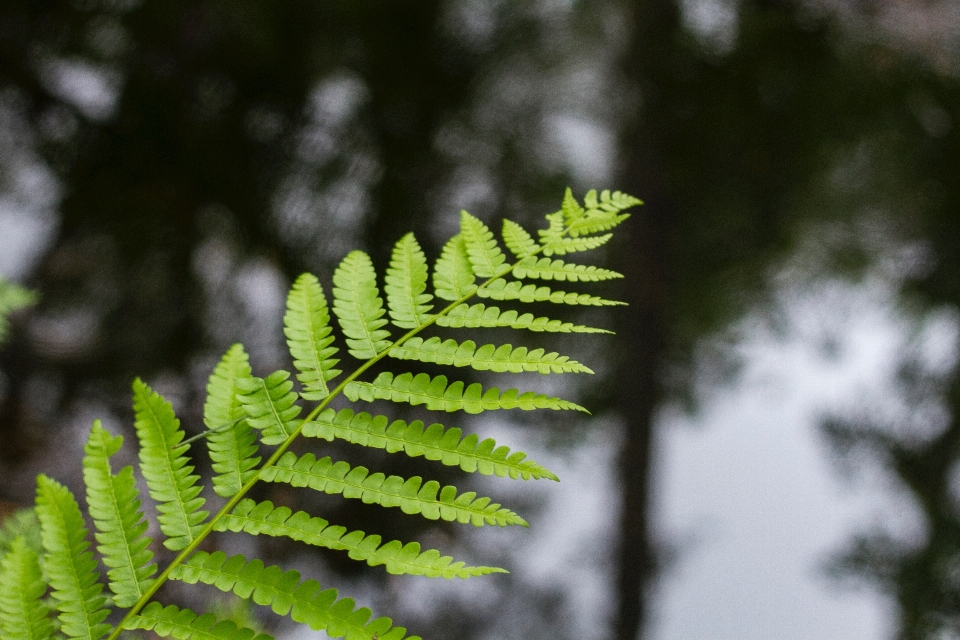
501,289
283,592
434,443
609,202
438,396
598,216
556,228
23,614
486,358
71,568
114,505
230,441
574,245
485,256
263,518
358,306
480,315
406,282
411,495
597,224
547,269
184,624
166,468
307,327
571,209
271,406
452,274
517,239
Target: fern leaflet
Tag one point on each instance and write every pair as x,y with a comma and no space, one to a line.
307,327
283,592
518,241
547,269
114,504
166,468
480,315
271,406
71,568
453,277
256,518
358,306
23,614
501,289
411,495
482,249
486,358
434,443
184,624
231,441
574,245
406,282
437,395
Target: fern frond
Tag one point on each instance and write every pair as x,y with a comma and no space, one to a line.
23,613
256,518
501,289
166,468
231,441
411,495
489,357
114,505
271,406
71,569
453,276
358,306
547,269
437,395
517,239
307,327
406,282
480,315
283,592
574,245
486,259
434,443
184,624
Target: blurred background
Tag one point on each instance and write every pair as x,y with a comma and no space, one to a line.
774,450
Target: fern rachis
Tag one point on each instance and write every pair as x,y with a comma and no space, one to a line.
242,408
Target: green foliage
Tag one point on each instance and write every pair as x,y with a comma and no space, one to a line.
241,409
434,443
115,509
186,625
12,298
231,441
23,614
72,570
166,468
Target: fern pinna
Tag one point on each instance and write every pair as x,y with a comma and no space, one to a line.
251,423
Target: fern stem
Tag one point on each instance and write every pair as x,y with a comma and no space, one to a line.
282,448
204,434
